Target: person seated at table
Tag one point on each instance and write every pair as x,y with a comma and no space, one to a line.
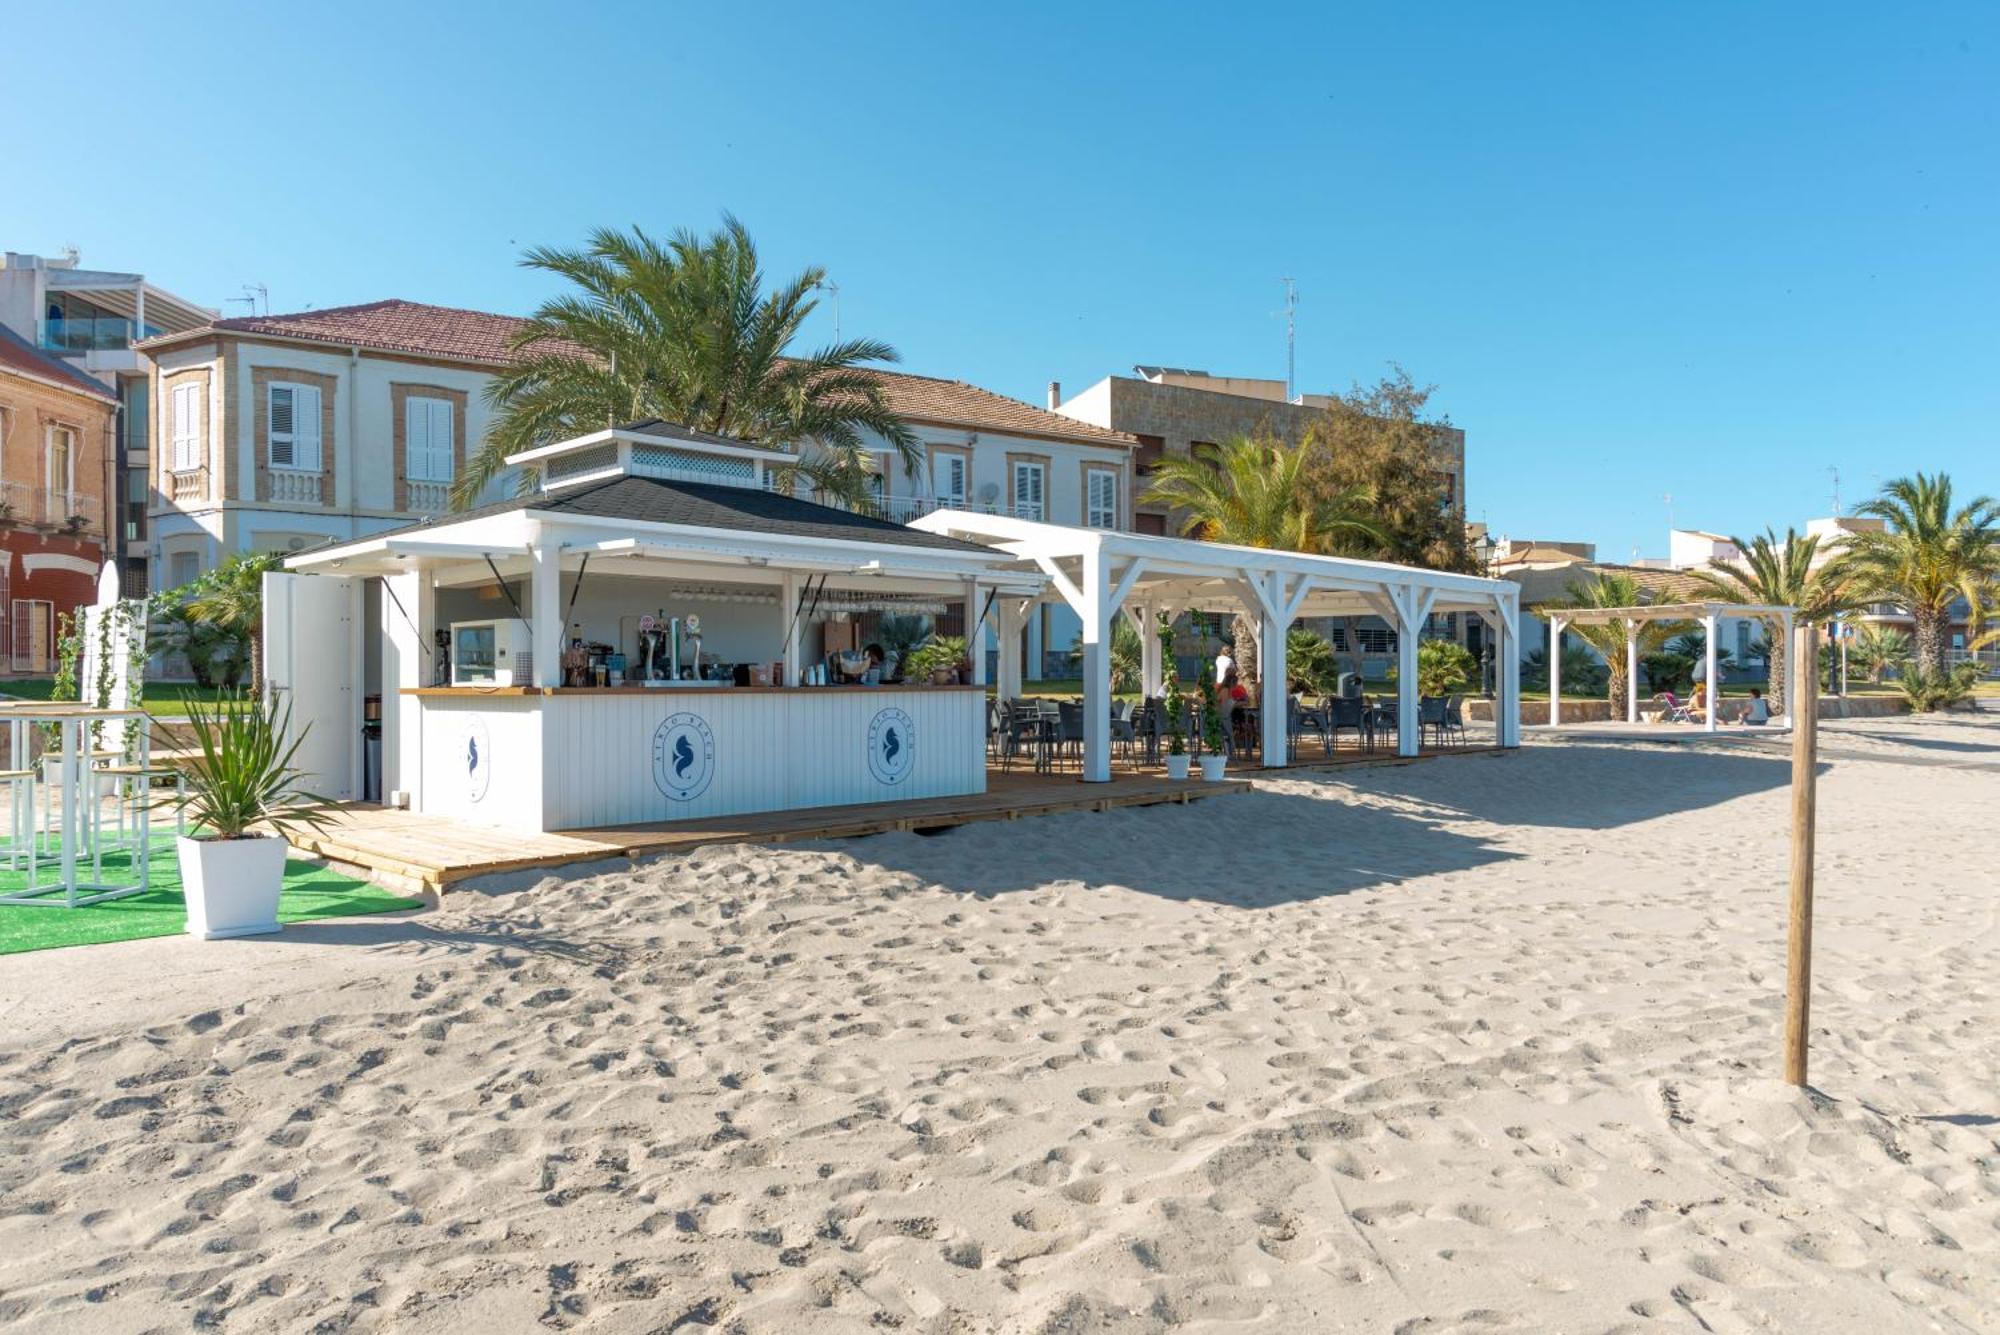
1233,686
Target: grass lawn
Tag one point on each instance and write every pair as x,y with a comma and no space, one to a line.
311,891
163,699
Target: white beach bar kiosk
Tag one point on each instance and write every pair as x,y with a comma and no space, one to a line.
644,637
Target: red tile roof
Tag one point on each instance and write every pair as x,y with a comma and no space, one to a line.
481,336
19,355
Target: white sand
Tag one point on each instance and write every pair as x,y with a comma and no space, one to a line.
1482,1044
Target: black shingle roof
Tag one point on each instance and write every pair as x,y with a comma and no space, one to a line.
705,505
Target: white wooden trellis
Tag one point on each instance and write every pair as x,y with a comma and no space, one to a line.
110,671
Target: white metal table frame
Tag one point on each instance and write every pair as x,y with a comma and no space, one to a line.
71,773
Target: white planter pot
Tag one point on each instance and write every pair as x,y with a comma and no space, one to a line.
231,885
1177,766
1212,767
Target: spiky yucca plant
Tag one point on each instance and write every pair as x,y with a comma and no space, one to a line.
242,773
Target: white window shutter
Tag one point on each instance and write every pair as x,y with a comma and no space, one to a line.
283,427
441,440
416,440
306,397
186,410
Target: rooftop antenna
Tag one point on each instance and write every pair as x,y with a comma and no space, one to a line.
1836,491
834,288
1291,314
253,295
1669,499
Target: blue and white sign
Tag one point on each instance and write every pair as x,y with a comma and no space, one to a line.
683,757
892,746
476,751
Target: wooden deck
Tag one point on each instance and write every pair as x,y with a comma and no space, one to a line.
430,852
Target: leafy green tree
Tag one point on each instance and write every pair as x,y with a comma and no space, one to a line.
684,330
1253,493
1380,442
1781,572
1934,553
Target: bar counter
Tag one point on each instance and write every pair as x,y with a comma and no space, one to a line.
555,758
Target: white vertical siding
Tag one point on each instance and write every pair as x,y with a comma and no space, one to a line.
591,761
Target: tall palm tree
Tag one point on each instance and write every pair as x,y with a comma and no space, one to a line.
685,330
1779,572
1611,588
1932,555
231,597
1254,493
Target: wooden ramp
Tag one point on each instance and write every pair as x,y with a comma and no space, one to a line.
431,852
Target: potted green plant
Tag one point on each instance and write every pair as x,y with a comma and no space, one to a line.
1215,755
938,660
241,798
1178,759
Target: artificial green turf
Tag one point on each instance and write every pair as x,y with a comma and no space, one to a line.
311,891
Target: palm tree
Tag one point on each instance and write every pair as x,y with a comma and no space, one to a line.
231,597
1931,555
1611,588
686,331
1253,493
1877,645
1779,572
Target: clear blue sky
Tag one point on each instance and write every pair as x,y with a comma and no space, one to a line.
1706,250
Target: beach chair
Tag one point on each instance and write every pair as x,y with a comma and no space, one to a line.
1672,710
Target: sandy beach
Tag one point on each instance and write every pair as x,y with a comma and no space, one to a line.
1479,1044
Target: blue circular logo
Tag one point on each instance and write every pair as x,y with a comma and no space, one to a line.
892,746
476,752
683,757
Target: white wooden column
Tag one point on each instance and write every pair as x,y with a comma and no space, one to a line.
791,626
545,612
1008,632
408,618
1095,609
1714,686
1149,650
1631,670
1280,607
975,629
1412,607
1555,670
1510,673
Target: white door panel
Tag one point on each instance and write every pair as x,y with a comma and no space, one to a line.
312,639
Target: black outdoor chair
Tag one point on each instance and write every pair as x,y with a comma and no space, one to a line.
1430,715
1350,712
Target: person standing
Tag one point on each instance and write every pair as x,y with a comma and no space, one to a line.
1224,661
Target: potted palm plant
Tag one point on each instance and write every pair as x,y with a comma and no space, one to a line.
1215,756
241,799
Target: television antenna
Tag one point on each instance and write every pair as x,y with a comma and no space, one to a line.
825,286
253,295
1836,491
1669,499
1291,314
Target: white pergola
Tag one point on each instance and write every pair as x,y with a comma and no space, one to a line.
1707,613
1101,573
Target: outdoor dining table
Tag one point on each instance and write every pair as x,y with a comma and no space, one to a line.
72,775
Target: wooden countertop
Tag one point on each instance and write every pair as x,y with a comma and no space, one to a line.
478,692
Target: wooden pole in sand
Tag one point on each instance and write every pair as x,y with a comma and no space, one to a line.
1805,748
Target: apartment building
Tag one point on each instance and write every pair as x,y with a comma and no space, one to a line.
985,451
282,432
91,320
1172,410
58,437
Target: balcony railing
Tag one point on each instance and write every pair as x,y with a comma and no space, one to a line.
429,498
187,484
902,509
289,486
101,333
41,507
